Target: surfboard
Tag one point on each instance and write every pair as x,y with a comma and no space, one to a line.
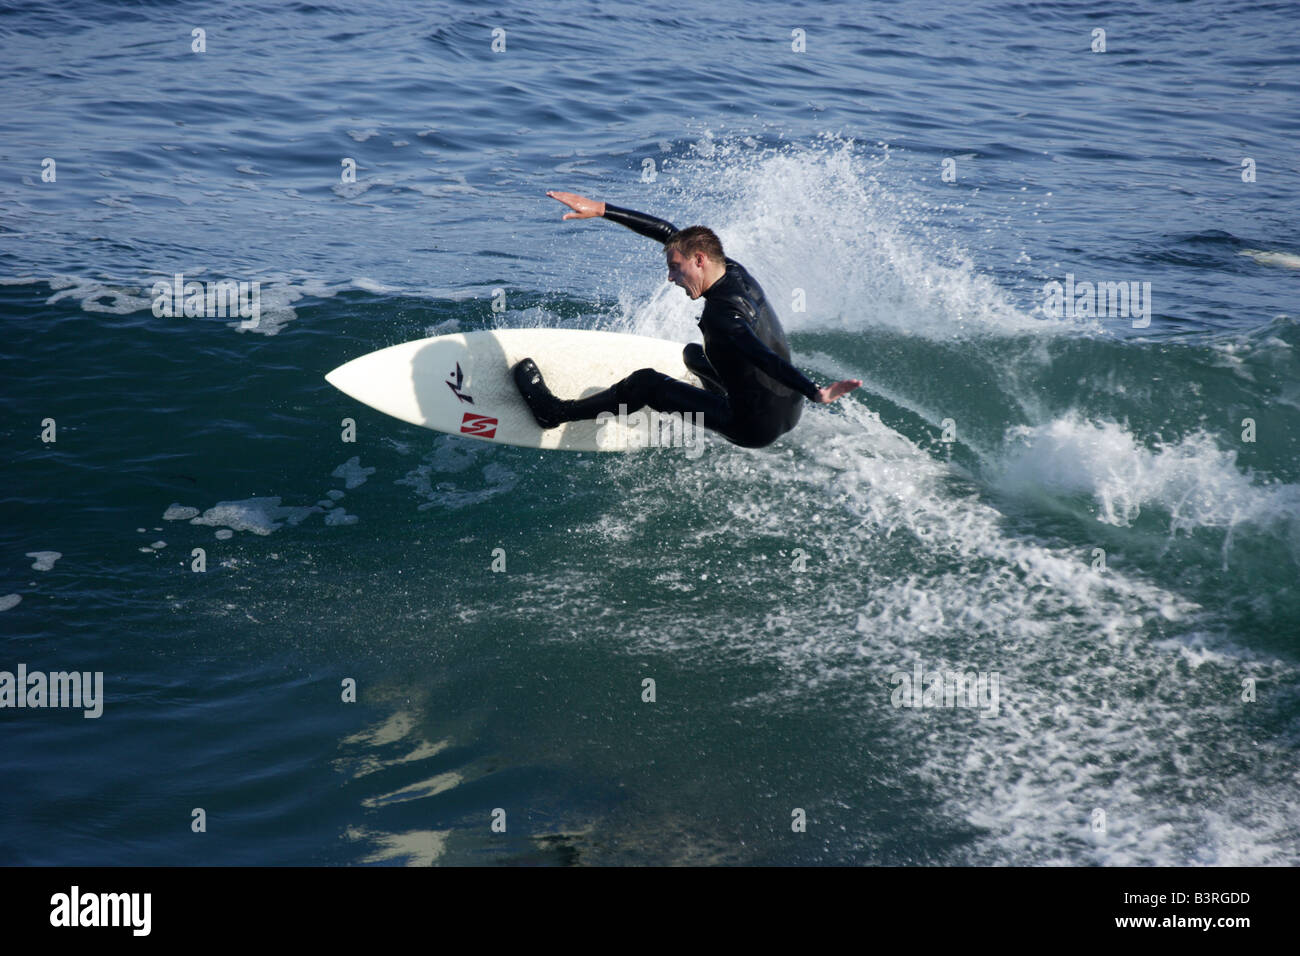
461,384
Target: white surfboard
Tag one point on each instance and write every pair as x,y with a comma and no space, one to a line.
462,384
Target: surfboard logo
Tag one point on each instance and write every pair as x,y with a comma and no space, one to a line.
456,386
478,425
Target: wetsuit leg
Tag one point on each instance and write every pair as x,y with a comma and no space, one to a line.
643,387
661,392
759,426
693,358
753,423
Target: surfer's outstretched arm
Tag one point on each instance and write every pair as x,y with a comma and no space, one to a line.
659,230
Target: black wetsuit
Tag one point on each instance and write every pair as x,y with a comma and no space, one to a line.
752,393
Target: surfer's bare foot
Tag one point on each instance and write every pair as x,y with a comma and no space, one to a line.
546,408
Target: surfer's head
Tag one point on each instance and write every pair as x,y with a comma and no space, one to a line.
695,259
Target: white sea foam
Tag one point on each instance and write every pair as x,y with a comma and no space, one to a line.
1192,483
44,559
259,515
1118,695
277,294
496,479
1078,651
821,221
352,472
339,516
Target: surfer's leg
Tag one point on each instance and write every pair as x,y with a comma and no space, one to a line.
643,387
715,412
549,411
751,421
664,393
693,358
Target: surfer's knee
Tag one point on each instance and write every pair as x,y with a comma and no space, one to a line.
644,377
638,389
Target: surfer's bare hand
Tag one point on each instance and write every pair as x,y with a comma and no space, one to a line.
832,392
583,208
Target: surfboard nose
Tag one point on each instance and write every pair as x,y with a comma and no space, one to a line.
344,378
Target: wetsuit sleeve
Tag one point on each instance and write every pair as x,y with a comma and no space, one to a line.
763,358
659,230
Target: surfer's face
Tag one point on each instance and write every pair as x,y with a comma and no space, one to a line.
687,272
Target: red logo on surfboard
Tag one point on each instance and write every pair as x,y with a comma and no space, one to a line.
478,425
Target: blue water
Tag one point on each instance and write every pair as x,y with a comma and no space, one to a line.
1076,506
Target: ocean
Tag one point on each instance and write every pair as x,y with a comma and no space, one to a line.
1028,597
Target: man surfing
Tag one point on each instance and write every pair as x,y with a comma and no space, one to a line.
752,395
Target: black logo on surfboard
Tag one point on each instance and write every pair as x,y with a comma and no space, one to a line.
455,386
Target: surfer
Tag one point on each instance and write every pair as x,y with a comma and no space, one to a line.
752,395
